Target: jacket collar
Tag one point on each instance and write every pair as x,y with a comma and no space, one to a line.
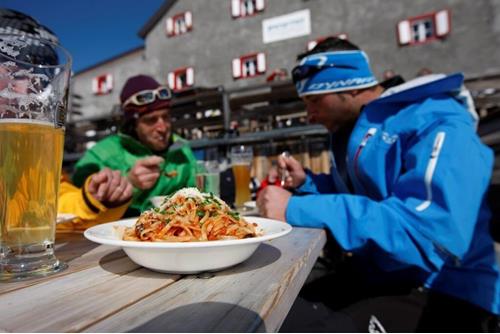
422,87
133,145
428,86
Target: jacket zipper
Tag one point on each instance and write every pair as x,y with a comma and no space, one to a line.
429,172
370,133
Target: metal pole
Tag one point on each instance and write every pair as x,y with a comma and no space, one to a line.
226,108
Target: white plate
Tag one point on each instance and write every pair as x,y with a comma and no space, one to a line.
250,205
65,217
187,257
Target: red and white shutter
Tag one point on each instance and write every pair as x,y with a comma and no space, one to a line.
95,85
171,80
260,5
261,62
236,68
442,22
404,32
188,18
235,8
109,83
189,76
170,26
178,82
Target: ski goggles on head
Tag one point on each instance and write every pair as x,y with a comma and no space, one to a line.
148,96
302,72
331,72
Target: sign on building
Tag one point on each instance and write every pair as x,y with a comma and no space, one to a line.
287,26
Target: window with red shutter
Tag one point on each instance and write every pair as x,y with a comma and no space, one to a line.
102,84
181,78
243,8
179,24
249,65
424,28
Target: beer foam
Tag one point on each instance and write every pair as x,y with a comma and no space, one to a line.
27,90
25,121
11,46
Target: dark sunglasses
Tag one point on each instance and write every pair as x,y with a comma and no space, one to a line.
302,72
148,96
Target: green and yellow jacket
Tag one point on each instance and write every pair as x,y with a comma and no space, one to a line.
120,152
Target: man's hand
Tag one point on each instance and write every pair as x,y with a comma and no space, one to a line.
145,172
109,187
272,202
296,175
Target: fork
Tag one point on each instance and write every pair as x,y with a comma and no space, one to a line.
284,171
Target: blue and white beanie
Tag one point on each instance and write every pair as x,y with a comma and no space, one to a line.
330,72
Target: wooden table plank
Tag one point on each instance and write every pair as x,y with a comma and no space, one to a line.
253,296
73,302
78,252
104,291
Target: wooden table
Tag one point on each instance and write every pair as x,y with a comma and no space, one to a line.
104,291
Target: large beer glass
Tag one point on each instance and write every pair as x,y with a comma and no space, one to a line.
241,161
34,85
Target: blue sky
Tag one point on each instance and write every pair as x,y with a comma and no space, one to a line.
92,30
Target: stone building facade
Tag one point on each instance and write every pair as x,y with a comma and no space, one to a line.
199,43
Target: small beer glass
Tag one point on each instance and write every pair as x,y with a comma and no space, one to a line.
241,160
208,177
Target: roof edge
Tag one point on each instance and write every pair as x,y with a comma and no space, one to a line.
122,54
155,18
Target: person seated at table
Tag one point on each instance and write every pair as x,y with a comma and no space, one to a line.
406,197
156,161
104,197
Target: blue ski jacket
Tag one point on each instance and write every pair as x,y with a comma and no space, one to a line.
419,175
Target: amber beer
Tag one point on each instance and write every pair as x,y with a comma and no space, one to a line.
242,184
241,159
31,154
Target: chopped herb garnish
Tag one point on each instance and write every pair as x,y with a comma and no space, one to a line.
200,213
166,199
234,214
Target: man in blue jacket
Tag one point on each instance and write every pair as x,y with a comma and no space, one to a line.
405,196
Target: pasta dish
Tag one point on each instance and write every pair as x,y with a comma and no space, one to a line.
189,215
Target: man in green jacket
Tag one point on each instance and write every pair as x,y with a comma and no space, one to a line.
156,161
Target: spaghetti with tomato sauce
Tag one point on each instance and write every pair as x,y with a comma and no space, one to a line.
189,215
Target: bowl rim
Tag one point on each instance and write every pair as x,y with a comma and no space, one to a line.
96,232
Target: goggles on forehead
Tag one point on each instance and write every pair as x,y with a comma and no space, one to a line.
302,72
148,96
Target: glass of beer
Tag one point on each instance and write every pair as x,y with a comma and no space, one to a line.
34,85
241,161
208,177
